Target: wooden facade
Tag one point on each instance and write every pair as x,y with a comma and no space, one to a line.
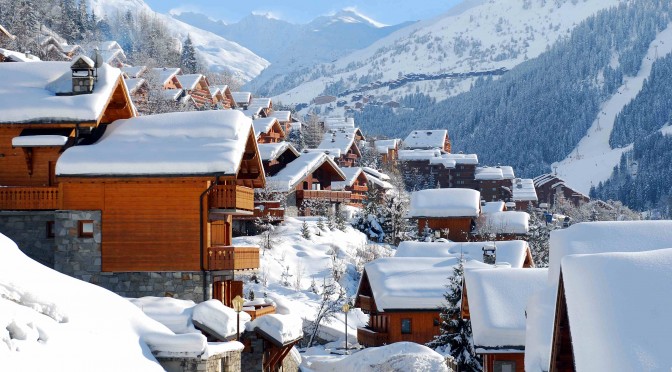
273,135
495,362
316,186
349,158
459,228
550,187
358,191
562,352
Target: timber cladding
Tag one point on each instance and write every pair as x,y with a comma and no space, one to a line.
14,168
146,225
424,325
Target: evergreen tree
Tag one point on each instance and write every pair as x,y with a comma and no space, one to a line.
455,331
188,61
305,232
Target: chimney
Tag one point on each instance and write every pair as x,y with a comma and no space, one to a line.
83,76
490,254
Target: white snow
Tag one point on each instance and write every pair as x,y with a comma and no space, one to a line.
189,81
593,160
18,56
523,190
397,357
618,306
445,203
134,72
383,146
166,74
270,151
241,97
376,173
281,328
219,318
282,116
183,143
492,207
351,175
58,323
508,222
418,154
512,252
497,300
340,140
132,85
171,312
425,139
301,167
39,140
28,93
488,173
412,282
263,125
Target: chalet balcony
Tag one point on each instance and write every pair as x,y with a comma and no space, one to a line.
231,199
360,188
352,156
369,338
260,311
366,304
233,258
28,198
268,211
327,195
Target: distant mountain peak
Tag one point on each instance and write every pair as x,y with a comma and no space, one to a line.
353,15
267,15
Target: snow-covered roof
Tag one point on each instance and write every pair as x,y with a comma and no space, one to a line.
330,152
492,207
182,143
338,122
260,102
497,301
241,97
509,222
607,236
134,72
108,45
523,190
282,116
4,31
283,329
172,94
214,90
29,91
544,179
18,56
445,203
39,140
513,252
383,146
189,81
618,307
132,85
217,318
488,173
270,151
417,154
426,139
166,74
507,172
301,167
263,125
378,182
110,56
376,173
412,282
341,140
351,174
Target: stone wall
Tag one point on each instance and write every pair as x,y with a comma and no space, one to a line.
253,356
224,362
28,229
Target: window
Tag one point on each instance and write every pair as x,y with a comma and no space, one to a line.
406,326
316,186
504,366
50,229
437,322
85,229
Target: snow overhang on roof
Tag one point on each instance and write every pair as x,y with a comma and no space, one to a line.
438,203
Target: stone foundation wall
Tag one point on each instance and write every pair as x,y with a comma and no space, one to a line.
225,362
28,229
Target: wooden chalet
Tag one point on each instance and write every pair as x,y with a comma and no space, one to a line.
198,87
258,108
502,225
437,169
167,206
268,130
495,301
286,120
449,213
512,253
550,187
7,55
138,88
428,140
227,102
403,297
112,53
342,144
165,78
388,150
495,183
307,180
134,72
71,51
524,194
356,183
242,99
5,36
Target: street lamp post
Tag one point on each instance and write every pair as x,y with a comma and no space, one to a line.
346,308
238,307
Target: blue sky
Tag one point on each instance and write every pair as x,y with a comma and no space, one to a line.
302,11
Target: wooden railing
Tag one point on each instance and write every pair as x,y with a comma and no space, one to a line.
28,198
231,197
360,188
233,258
368,337
266,210
328,195
261,311
365,303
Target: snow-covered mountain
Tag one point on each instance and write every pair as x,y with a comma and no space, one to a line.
477,35
216,52
291,47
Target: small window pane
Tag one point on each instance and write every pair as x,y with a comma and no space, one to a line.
50,229
504,366
405,326
86,229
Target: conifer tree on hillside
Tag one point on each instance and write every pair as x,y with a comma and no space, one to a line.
188,61
456,335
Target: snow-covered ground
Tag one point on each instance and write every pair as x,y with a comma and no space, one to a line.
310,260
593,160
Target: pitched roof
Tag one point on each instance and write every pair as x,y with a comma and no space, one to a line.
426,139
494,173
6,33
17,56
182,143
411,282
445,203
497,300
166,74
351,174
189,81
242,97
512,252
264,125
132,85
270,151
134,72
29,93
523,190
282,116
382,146
341,140
297,170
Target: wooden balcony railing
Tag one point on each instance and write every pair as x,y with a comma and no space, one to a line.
328,195
28,198
231,197
368,337
365,303
360,188
352,156
261,311
233,258
267,210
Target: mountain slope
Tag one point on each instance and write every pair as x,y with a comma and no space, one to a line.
475,36
217,53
